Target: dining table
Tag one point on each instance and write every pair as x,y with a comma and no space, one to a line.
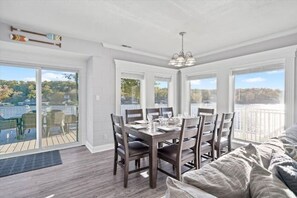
152,136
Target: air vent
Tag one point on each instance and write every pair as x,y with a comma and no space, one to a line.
127,46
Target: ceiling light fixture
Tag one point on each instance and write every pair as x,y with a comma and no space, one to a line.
182,59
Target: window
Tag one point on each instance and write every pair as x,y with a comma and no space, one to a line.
202,94
161,93
259,104
130,94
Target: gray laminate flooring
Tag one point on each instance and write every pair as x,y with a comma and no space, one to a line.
82,175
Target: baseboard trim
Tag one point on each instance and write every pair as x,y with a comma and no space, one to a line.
96,149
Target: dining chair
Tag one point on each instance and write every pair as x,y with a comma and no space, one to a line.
206,142
205,111
133,115
128,151
165,110
8,124
225,133
185,150
155,112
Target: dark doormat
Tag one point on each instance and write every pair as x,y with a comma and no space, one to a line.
27,163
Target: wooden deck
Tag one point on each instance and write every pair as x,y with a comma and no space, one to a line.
31,144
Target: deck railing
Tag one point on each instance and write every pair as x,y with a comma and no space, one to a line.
258,124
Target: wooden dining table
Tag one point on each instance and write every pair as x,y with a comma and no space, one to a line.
152,137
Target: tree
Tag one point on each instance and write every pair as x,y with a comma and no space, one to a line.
5,92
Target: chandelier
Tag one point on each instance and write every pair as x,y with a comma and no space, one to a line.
182,59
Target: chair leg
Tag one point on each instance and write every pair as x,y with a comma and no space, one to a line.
218,152
213,154
178,172
126,173
138,163
62,128
115,163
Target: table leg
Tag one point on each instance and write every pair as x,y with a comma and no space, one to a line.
153,164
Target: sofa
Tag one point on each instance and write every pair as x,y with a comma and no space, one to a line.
265,170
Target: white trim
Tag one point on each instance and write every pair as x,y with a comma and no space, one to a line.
134,51
278,35
96,149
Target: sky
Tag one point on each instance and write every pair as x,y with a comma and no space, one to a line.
28,74
267,79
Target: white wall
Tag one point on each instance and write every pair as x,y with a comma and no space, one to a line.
97,68
223,70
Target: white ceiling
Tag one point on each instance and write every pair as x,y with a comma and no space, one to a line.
153,25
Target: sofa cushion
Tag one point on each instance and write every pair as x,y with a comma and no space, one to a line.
285,168
228,176
177,189
267,148
264,184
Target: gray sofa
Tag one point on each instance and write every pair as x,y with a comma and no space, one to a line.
266,170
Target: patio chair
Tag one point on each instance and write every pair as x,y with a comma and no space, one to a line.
69,119
28,121
7,124
54,118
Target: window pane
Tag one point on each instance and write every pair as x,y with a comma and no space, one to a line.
202,94
161,93
59,107
17,109
130,94
259,105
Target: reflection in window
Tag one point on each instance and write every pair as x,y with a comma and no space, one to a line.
202,94
161,93
130,94
259,105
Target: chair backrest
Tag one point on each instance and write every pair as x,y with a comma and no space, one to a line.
155,112
208,128
29,120
133,115
226,126
7,124
55,117
165,110
119,134
189,135
205,111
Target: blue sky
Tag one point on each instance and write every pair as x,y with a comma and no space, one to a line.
267,79
162,84
28,74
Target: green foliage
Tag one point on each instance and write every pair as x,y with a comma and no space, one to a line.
130,91
202,95
258,96
161,95
54,92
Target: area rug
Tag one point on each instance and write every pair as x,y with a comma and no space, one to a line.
27,163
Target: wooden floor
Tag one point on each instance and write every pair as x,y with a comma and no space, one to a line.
82,175
31,144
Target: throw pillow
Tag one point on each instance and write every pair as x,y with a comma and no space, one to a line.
285,169
264,184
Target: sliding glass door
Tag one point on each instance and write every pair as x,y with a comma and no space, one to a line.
59,107
38,108
17,109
